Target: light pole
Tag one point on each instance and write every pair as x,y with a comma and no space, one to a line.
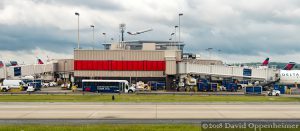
180,14
219,54
93,34
172,35
104,34
122,29
76,13
172,38
209,51
175,34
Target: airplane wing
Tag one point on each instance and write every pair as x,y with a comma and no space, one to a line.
131,33
144,31
139,32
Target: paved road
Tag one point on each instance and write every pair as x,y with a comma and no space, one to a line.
148,111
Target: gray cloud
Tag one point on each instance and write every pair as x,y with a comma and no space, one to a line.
236,27
28,38
244,30
94,4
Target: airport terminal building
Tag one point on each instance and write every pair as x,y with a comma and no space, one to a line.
133,61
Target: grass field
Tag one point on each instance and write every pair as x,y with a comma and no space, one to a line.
143,98
122,127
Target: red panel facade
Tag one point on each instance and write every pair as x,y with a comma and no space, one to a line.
120,65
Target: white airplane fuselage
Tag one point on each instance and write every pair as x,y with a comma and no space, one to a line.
289,76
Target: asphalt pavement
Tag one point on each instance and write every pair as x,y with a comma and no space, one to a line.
109,111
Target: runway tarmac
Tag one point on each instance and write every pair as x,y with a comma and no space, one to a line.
33,110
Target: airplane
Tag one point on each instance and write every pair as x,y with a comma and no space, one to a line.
289,77
139,32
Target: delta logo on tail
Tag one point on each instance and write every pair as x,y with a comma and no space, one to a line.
40,61
13,63
1,64
266,62
289,66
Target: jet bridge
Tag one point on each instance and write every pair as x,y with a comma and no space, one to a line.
263,74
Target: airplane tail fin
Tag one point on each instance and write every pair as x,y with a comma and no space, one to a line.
40,61
1,64
266,62
289,66
14,63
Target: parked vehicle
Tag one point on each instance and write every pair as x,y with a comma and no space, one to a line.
31,88
8,84
141,86
274,93
46,84
50,84
107,86
243,84
35,85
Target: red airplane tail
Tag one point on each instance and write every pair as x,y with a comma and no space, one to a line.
1,64
14,63
289,66
266,62
40,61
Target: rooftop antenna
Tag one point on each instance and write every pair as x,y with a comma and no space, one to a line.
122,30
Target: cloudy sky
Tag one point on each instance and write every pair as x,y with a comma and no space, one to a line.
244,31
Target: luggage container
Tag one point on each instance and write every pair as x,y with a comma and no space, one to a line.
253,90
214,87
281,88
203,86
276,87
157,85
231,87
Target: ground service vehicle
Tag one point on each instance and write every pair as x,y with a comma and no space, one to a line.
107,86
274,93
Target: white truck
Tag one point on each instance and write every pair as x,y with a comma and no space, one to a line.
274,93
8,84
